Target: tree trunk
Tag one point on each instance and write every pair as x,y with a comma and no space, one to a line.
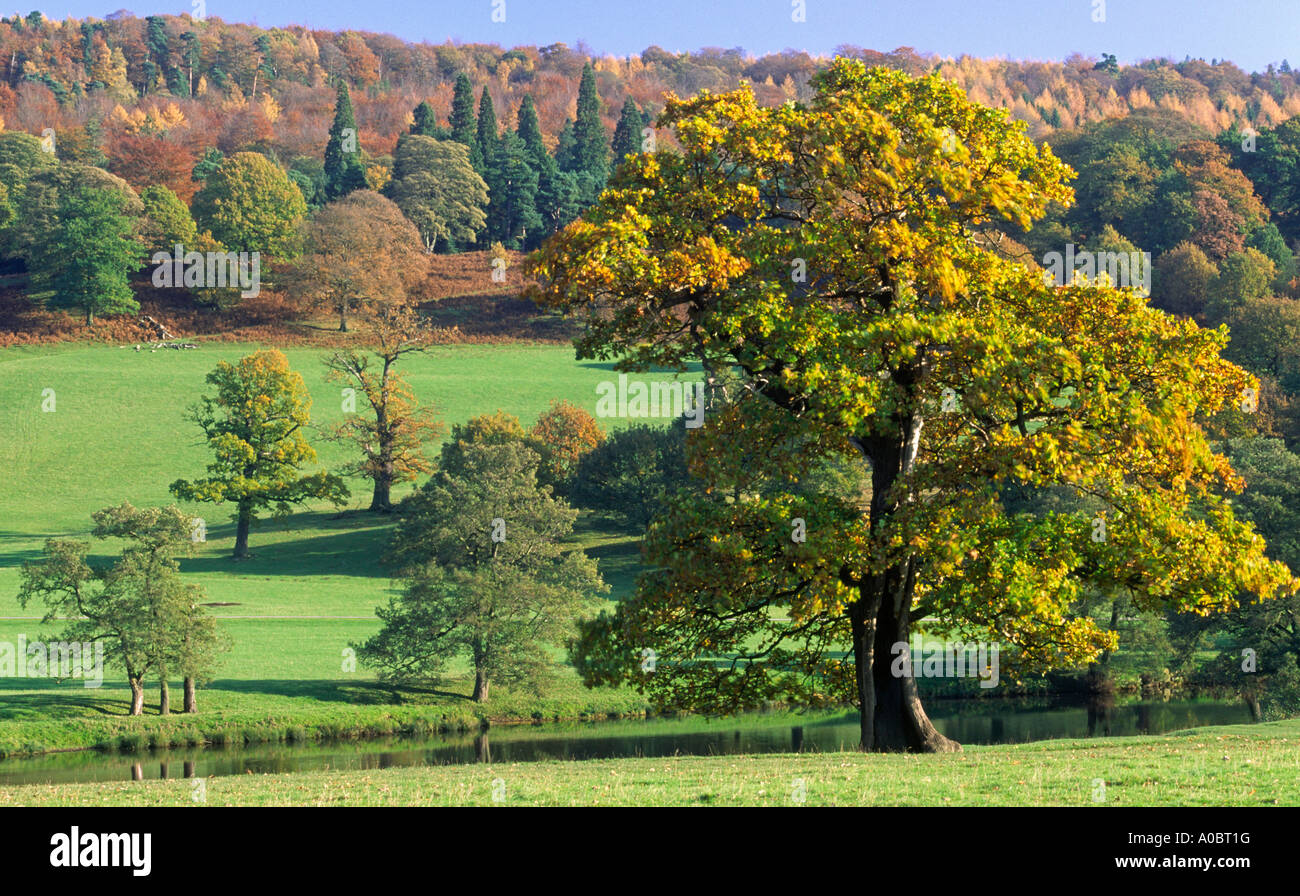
480,685
381,501
343,322
191,701
137,695
164,697
892,718
864,638
241,530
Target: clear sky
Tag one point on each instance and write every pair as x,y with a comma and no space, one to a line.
1251,33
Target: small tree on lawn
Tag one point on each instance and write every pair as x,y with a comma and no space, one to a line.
254,426
485,571
189,637
391,435
148,619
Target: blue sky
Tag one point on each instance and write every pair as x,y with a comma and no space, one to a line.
1251,33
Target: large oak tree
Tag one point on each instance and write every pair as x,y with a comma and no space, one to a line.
834,254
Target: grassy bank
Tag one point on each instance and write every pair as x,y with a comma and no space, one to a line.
251,712
1245,765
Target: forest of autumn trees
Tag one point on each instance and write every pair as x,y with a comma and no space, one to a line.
174,81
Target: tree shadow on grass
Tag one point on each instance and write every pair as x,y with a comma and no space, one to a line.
365,693
18,557
54,706
329,545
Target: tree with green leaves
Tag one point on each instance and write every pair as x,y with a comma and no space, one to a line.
1245,276
627,135
486,573
249,204
145,615
564,147
255,426
21,158
92,255
438,189
464,126
187,635
1258,643
512,194
1271,159
590,144
632,473
167,221
38,207
207,164
343,169
557,191
484,151
425,122
846,286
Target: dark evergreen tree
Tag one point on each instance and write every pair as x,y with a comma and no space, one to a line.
564,147
627,136
484,151
463,129
590,143
426,122
512,194
557,202
529,128
343,169
159,53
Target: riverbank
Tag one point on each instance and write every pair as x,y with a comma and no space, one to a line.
1234,765
360,711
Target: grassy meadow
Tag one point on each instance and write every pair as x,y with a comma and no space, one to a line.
117,432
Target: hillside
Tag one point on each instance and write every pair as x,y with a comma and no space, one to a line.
160,91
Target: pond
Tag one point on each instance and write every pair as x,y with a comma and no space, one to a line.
968,721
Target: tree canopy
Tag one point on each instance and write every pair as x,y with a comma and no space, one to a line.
848,287
255,425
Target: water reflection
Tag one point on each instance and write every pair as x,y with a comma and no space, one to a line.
1101,706
969,722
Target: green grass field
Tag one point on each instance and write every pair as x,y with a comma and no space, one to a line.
117,432
1235,765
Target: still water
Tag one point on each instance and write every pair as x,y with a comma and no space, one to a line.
969,722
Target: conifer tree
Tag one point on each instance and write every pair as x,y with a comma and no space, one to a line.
343,169
485,138
462,111
627,136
